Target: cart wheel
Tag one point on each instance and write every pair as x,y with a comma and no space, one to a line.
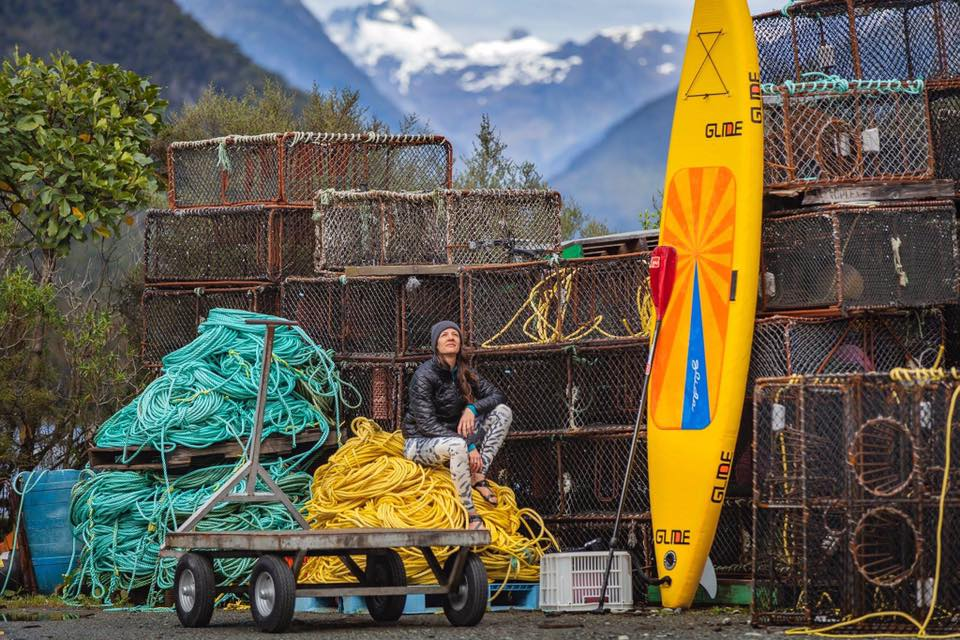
386,570
273,594
465,605
195,589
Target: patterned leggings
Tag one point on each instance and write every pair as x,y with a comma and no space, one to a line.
436,451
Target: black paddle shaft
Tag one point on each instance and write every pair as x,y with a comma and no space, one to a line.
629,472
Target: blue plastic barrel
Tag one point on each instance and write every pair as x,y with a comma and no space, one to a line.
46,514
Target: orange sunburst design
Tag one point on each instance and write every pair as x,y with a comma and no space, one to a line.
698,220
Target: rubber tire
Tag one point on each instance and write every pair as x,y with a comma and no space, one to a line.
205,590
386,570
473,584
278,619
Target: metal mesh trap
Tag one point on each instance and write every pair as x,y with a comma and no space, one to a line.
357,316
855,258
870,40
574,301
440,227
860,344
857,135
945,121
426,301
289,168
227,244
535,385
171,316
848,473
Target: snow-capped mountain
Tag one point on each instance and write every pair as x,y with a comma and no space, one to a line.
548,101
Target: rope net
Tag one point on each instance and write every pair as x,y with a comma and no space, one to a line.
853,258
851,514
289,168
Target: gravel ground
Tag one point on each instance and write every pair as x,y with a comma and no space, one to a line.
237,625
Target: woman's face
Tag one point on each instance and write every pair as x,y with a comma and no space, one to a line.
448,344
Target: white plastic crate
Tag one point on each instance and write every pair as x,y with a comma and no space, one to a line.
572,581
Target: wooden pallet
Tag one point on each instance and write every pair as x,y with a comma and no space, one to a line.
148,459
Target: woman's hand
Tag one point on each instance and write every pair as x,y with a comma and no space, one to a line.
476,462
468,423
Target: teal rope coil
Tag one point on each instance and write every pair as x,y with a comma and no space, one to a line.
208,390
122,518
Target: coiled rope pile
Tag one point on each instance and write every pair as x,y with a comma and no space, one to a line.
122,518
369,483
209,388
207,394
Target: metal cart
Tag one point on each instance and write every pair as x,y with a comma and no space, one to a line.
273,586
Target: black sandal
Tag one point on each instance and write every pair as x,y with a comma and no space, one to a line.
475,518
490,497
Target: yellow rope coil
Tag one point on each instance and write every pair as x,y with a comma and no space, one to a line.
368,483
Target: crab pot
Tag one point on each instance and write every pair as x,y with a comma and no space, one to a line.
499,299
609,298
359,316
945,119
374,389
811,37
592,471
227,244
605,385
345,162
907,39
378,228
289,168
860,344
571,302
230,171
819,565
855,258
171,316
535,384
872,40
855,136
445,226
426,301
501,225
851,438
529,466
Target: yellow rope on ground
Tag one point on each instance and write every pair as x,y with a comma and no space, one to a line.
835,630
547,305
368,483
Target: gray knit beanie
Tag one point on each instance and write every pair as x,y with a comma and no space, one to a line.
439,328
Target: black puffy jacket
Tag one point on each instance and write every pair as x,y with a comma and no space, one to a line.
435,404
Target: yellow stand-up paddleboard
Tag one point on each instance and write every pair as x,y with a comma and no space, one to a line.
711,215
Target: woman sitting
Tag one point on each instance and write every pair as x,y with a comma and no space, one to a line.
455,415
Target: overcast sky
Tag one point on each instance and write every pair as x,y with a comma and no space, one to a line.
552,20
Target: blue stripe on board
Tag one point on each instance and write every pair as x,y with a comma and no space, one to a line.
696,401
